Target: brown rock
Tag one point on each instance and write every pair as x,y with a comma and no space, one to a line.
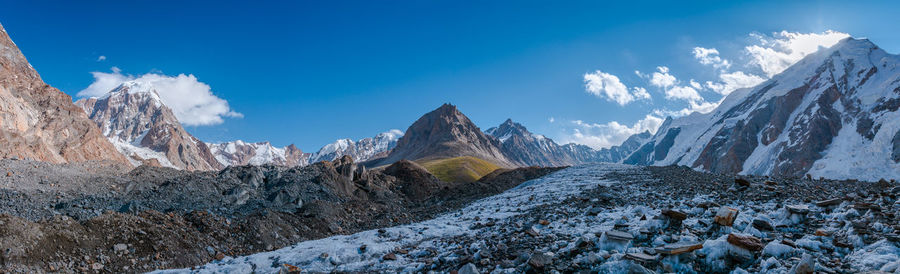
544,222
40,122
741,182
746,242
220,256
290,269
674,214
725,216
389,257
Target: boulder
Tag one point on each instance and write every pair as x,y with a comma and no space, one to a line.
539,260
674,214
747,242
762,225
725,216
678,248
469,268
619,236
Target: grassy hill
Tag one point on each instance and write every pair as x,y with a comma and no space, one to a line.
465,169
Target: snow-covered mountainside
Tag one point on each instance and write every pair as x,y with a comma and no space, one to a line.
238,152
361,150
528,149
832,114
133,117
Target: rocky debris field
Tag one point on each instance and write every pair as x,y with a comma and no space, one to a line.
96,217
622,219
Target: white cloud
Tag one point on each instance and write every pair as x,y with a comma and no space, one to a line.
711,57
683,93
608,86
192,101
693,106
734,80
552,119
662,78
101,58
640,93
696,85
609,134
775,53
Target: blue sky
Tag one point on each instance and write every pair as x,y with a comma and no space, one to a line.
310,72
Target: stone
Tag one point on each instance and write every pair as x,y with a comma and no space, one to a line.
678,248
741,182
539,260
762,225
288,268
620,236
822,232
770,183
798,209
725,216
544,222
806,265
120,247
674,214
641,257
220,256
829,202
533,231
389,257
469,268
747,242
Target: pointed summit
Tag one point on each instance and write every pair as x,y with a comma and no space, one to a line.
445,133
142,127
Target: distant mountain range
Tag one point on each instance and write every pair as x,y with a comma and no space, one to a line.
833,114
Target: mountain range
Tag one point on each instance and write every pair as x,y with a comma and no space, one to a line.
833,114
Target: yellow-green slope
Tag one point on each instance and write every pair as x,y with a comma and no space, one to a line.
465,169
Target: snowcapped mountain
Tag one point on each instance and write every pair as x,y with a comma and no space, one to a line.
38,121
242,153
362,150
238,153
133,117
528,149
832,114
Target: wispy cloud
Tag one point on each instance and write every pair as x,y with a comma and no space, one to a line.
101,58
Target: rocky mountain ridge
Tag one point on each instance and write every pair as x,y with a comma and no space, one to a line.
38,121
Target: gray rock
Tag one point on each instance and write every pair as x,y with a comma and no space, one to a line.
469,268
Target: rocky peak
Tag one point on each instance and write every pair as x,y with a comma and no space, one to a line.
38,121
136,120
446,132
